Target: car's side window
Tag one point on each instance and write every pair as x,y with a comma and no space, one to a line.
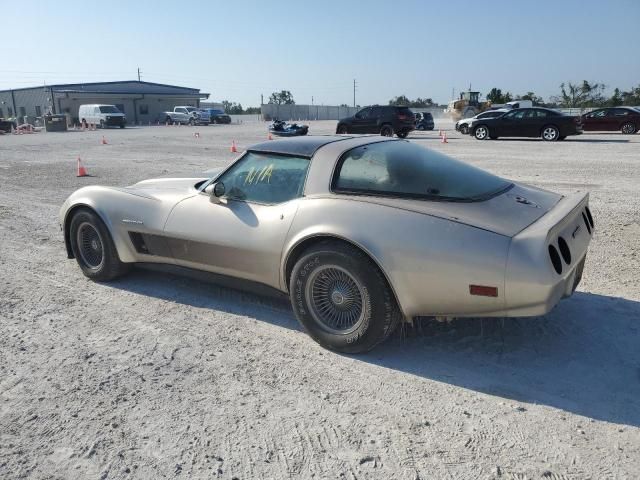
362,114
620,112
540,114
265,178
516,115
597,114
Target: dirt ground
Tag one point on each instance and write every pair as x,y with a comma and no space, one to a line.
159,375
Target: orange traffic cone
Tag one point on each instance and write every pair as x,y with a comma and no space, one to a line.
234,149
270,137
104,140
82,172
444,137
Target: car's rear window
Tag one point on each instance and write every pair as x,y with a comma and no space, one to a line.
404,169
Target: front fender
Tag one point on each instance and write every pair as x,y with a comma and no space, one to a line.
120,211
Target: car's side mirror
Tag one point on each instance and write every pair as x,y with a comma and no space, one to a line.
217,192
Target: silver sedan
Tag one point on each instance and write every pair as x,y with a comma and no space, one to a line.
362,233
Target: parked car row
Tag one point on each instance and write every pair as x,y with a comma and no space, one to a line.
528,121
549,124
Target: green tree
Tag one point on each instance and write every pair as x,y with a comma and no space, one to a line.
496,96
632,97
282,97
536,100
616,98
400,100
581,95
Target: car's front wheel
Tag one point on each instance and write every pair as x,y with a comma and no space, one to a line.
464,129
402,134
386,131
481,132
342,130
342,299
550,133
94,249
628,128
192,122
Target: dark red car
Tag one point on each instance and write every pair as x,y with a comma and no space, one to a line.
625,119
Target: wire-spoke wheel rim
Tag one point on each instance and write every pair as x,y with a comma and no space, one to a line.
335,300
481,133
550,133
90,246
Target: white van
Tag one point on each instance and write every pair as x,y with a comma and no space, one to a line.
102,115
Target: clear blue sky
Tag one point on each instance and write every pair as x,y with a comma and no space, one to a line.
237,50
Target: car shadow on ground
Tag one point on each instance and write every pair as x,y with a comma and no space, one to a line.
584,357
568,139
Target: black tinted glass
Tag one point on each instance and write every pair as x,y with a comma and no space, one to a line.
405,169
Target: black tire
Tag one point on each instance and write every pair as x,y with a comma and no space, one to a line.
102,124
464,129
481,132
371,304
628,128
386,131
420,127
550,133
192,122
402,134
342,130
122,125
94,249
168,120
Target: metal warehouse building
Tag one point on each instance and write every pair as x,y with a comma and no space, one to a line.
141,102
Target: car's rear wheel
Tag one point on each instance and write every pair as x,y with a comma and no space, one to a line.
386,131
464,129
550,133
343,130
420,127
94,249
402,134
481,132
168,120
342,299
101,123
628,128
192,122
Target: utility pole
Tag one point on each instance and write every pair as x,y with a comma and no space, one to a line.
354,92
261,99
138,73
311,99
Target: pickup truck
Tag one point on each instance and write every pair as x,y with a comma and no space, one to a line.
186,115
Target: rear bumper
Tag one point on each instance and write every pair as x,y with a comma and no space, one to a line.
533,285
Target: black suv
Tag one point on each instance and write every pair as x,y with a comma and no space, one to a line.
385,120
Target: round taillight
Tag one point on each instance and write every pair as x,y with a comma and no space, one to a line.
586,209
586,223
564,250
555,259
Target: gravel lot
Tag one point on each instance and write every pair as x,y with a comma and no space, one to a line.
160,375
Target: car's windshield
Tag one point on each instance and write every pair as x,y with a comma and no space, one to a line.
404,169
109,109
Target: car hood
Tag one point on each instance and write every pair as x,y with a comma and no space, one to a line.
506,214
164,188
